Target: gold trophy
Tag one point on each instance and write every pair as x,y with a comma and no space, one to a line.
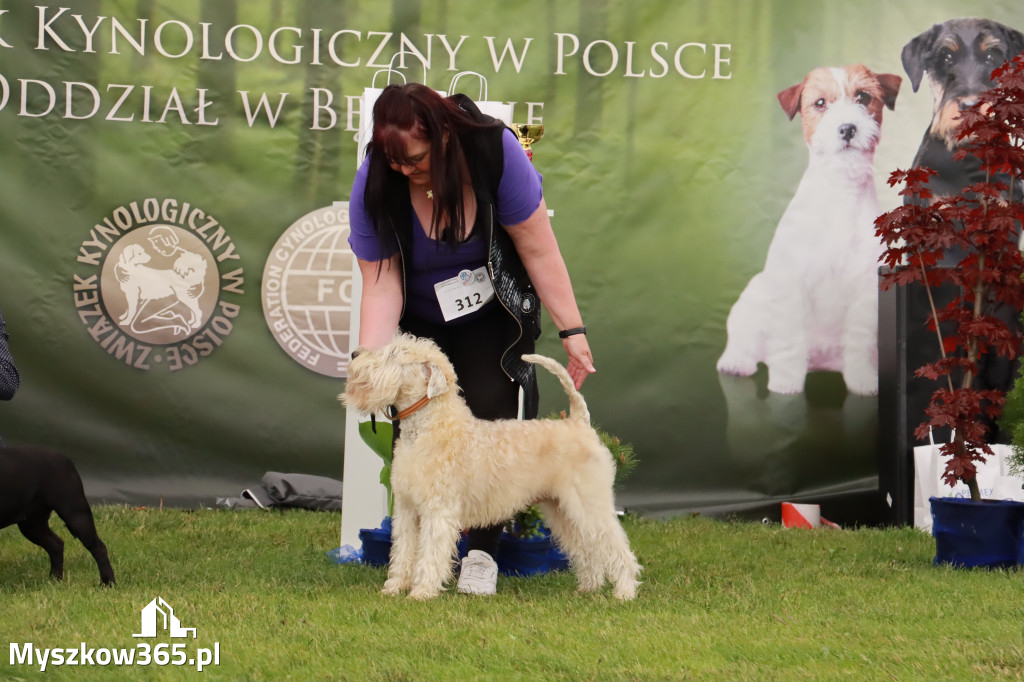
528,133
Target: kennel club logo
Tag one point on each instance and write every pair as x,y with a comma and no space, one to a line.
307,290
155,284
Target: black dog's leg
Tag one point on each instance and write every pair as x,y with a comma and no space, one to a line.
78,518
37,529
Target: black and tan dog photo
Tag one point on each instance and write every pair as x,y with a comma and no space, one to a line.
958,57
34,483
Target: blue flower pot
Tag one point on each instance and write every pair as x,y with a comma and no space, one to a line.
969,534
516,556
529,556
377,543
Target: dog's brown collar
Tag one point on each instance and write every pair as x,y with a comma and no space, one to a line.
394,415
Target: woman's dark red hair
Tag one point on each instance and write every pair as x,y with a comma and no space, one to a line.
416,110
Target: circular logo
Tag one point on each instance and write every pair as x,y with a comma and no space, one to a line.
154,281
307,290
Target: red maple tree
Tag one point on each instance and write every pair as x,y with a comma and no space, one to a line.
983,223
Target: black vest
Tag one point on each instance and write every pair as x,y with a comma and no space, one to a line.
512,286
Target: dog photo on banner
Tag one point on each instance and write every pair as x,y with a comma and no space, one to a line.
810,315
956,77
813,307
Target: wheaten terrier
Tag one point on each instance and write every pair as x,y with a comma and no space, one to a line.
453,471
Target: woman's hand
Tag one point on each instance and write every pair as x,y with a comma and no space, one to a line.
581,360
537,247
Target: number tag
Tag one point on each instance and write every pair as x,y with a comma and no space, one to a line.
464,293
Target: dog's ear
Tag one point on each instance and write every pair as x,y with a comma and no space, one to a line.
890,88
915,52
790,99
437,382
1016,42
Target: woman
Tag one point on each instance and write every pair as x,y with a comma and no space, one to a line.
452,237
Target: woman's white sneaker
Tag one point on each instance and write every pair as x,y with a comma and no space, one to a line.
479,574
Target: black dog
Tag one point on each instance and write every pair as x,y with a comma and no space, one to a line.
958,55
35,482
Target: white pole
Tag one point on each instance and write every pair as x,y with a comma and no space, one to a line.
363,499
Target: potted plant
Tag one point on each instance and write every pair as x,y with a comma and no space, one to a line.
982,223
376,542
526,548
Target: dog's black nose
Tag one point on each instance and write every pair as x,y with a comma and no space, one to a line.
355,354
847,131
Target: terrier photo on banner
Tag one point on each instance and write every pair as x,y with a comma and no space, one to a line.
814,305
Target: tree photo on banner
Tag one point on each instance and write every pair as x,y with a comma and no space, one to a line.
175,268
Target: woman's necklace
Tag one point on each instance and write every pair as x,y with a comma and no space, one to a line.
427,188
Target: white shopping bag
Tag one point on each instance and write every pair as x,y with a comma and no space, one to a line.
499,110
366,101
994,479
370,95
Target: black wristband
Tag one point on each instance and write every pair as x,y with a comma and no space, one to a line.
566,333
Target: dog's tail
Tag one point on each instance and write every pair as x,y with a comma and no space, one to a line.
577,407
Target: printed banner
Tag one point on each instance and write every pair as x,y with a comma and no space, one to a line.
174,266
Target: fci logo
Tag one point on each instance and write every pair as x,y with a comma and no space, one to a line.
307,290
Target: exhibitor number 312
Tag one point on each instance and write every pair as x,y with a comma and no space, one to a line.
467,302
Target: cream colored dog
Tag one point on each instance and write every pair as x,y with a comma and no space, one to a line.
453,471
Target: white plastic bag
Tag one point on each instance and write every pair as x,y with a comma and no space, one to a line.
994,479
370,95
499,110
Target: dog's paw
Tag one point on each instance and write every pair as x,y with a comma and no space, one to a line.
861,383
423,593
785,385
735,365
625,592
392,588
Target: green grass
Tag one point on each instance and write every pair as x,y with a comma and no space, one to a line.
720,601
